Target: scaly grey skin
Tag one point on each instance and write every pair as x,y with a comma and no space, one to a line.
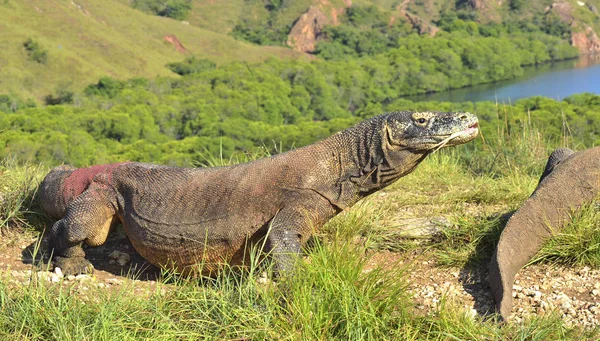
181,217
569,181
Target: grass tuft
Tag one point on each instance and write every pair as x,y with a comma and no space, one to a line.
18,188
578,243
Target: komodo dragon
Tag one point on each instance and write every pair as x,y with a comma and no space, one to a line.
569,181
182,217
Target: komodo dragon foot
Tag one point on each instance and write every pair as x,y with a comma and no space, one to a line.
73,265
569,181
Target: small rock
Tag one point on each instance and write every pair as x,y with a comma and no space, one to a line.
422,227
58,272
114,281
43,275
121,258
124,259
83,277
263,280
115,254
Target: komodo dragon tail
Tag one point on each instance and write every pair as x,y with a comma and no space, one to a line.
569,180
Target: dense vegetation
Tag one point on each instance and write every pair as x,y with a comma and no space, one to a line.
366,66
366,31
379,46
275,105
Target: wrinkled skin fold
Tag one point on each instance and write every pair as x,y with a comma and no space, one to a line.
569,180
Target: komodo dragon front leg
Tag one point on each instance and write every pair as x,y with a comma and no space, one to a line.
290,229
89,218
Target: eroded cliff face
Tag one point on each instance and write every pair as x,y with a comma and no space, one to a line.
304,34
308,28
583,37
586,41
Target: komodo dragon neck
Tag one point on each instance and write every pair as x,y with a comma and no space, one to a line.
355,162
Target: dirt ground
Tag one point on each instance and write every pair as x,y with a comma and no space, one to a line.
571,292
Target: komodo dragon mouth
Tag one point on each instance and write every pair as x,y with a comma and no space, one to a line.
457,138
470,131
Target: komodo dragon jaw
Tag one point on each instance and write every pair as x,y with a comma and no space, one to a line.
569,181
181,217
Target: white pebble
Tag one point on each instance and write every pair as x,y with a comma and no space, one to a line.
58,272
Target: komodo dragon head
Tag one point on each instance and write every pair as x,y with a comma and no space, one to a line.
390,146
430,131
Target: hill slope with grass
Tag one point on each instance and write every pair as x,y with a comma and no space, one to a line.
84,40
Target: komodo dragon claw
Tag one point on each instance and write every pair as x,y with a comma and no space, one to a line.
73,265
569,180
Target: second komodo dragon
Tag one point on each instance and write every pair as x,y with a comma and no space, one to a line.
179,218
569,181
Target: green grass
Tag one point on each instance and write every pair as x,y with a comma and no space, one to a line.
18,186
330,298
337,292
579,241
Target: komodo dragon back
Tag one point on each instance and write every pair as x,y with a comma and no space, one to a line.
569,181
181,217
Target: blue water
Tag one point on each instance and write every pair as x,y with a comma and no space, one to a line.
557,81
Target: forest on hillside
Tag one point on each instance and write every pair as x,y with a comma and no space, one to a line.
222,111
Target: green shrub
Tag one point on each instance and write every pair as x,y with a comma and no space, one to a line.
106,86
13,103
35,51
191,65
62,96
175,9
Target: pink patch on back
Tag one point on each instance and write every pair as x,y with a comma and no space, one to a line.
81,178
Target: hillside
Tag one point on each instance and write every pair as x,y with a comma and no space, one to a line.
86,39
220,86
290,22
80,41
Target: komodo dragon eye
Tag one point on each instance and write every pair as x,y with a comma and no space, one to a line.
421,120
